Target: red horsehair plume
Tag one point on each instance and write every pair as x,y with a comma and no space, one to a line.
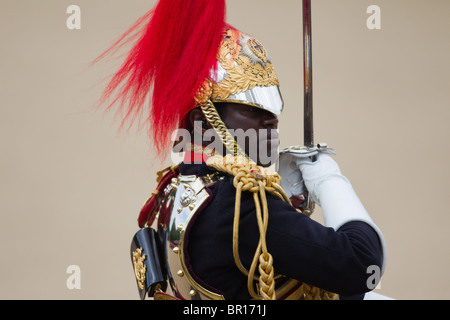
175,52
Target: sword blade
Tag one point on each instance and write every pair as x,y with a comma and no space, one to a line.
308,129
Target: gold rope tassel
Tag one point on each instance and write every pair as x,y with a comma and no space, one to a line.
257,180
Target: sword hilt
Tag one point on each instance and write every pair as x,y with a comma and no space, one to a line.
303,201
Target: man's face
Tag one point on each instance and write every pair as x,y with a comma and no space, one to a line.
254,129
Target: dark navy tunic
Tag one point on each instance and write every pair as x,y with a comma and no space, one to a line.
302,248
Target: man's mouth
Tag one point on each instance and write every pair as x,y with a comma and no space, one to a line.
271,137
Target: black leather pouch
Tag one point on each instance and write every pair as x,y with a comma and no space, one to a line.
145,252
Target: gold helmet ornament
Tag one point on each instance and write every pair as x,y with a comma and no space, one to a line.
244,74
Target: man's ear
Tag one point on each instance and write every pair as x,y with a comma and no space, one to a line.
195,117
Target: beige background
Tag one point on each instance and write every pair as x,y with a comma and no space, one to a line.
71,187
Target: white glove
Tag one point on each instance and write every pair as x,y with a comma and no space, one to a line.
291,177
335,195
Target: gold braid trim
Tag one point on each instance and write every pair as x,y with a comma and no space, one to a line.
248,176
314,293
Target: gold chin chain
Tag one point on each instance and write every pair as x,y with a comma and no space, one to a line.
213,118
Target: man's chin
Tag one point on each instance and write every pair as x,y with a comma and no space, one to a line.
268,157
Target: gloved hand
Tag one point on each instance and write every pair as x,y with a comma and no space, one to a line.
291,177
329,189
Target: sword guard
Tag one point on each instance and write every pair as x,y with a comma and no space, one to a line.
304,151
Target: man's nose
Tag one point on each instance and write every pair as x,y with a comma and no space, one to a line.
271,121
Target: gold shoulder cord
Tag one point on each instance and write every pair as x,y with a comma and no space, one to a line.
248,176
